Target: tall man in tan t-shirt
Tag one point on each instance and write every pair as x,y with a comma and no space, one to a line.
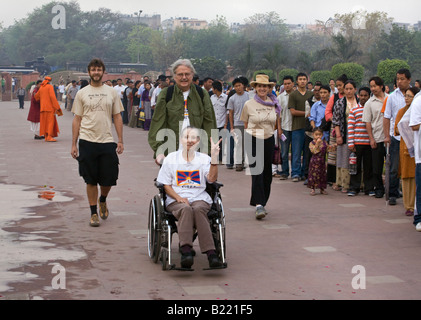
95,107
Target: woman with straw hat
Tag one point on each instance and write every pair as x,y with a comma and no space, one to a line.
260,116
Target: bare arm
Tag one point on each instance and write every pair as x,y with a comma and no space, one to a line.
75,135
170,192
118,123
370,135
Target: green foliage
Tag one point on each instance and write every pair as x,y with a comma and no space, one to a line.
264,42
268,72
353,71
323,76
387,69
288,72
209,67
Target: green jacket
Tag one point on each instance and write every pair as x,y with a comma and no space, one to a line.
169,115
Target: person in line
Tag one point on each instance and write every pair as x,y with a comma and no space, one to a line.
297,106
395,102
373,119
340,123
331,159
286,125
359,142
184,174
260,116
219,100
318,110
34,113
95,108
406,163
415,123
235,107
135,105
49,108
145,101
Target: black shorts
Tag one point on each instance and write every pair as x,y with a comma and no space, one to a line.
98,163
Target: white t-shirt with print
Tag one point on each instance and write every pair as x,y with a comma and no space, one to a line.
188,179
415,119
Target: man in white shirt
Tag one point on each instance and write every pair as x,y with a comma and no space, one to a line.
286,124
120,89
414,123
235,107
394,103
373,119
219,100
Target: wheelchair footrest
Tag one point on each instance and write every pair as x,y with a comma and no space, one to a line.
173,267
224,266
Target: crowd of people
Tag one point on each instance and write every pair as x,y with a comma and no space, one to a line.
334,134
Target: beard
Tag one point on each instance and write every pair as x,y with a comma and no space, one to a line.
96,79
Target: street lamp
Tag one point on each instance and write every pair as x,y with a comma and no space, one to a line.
138,23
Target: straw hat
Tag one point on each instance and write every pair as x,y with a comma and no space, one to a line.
262,79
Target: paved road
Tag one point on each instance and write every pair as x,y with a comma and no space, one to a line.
305,249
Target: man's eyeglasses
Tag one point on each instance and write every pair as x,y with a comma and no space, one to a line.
183,75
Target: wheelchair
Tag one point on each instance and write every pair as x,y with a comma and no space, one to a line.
162,225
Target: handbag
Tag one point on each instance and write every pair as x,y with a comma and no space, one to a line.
142,116
277,156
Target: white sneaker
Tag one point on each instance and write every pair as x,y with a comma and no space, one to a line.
418,226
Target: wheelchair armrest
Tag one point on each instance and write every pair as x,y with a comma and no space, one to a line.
216,185
159,185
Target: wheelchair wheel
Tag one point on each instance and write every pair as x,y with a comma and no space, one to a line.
154,228
219,234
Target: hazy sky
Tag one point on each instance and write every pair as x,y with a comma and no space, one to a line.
293,11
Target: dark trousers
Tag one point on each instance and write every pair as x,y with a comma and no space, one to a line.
285,146
394,168
21,101
230,149
417,217
364,167
125,114
260,182
306,154
378,155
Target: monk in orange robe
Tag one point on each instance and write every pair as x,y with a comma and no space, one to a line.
49,108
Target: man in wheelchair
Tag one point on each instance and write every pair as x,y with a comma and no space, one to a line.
184,174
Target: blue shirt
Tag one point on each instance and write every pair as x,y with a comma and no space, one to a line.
317,113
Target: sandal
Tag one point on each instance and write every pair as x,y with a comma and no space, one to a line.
336,187
313,192
323,192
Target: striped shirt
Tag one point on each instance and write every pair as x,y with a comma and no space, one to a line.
357,132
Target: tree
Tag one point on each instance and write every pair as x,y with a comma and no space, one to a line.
343,49
267,72
209,67
387,70
353,71
274,59
288,72
244,63
139,45
323,76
